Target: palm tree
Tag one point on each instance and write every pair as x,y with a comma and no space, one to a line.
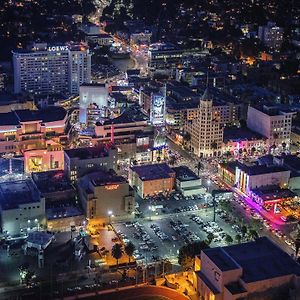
252,234
199,166
244,230
228,239
209,238
129,249
238,238
116,252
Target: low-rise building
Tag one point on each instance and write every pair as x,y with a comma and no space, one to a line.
22,130
273,123
255,269
22,207
187,182
106,195
81,161
244,141
149,180
252,177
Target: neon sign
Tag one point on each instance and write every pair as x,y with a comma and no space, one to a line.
112,187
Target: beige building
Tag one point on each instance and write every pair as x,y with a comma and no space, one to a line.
272,123
253,270
106,195
206,132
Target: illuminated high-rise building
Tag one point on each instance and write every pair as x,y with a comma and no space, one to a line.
45,69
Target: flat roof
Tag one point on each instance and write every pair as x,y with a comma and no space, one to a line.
183,173
259,170
240,134
101,178
49,114
16,193
52,181
292,162
262,259
88,152
272,193
221,258
130,115
152,172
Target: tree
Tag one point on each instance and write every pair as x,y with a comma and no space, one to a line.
116,252
187,253
209,238
228,239
238,238
199,166
214,145
129,249
244,230
252,234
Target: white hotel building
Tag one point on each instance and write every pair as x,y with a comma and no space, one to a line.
51,69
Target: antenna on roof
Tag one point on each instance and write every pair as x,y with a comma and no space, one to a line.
207,78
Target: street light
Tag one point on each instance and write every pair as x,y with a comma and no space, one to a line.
208,184
109,215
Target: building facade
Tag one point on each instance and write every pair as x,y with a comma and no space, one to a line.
81,161
253,270
23,130
150,180
48,69
22,207
272,123
205,131
106,195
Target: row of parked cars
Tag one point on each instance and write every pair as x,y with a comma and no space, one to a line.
210,227
182,232
158,232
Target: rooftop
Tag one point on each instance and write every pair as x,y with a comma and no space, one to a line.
16,193
240,134
259,170
49,114
260,260
183,173
88,152
51,181
272,193
221,258
152,172
101,178
130,115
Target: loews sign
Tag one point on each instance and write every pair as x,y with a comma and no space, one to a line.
58,48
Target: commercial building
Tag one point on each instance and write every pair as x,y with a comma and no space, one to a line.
187,182
22,207
253,270
150,180
61,209
242,141
165,57
92,94
271,35
205,131
46,69
131,133
106,195
272,123
23,130
248,178
81,161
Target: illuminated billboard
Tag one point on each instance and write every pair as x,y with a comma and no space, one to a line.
158,109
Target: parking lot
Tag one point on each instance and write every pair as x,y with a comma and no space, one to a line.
161,236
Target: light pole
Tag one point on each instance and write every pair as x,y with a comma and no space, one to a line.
109,216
